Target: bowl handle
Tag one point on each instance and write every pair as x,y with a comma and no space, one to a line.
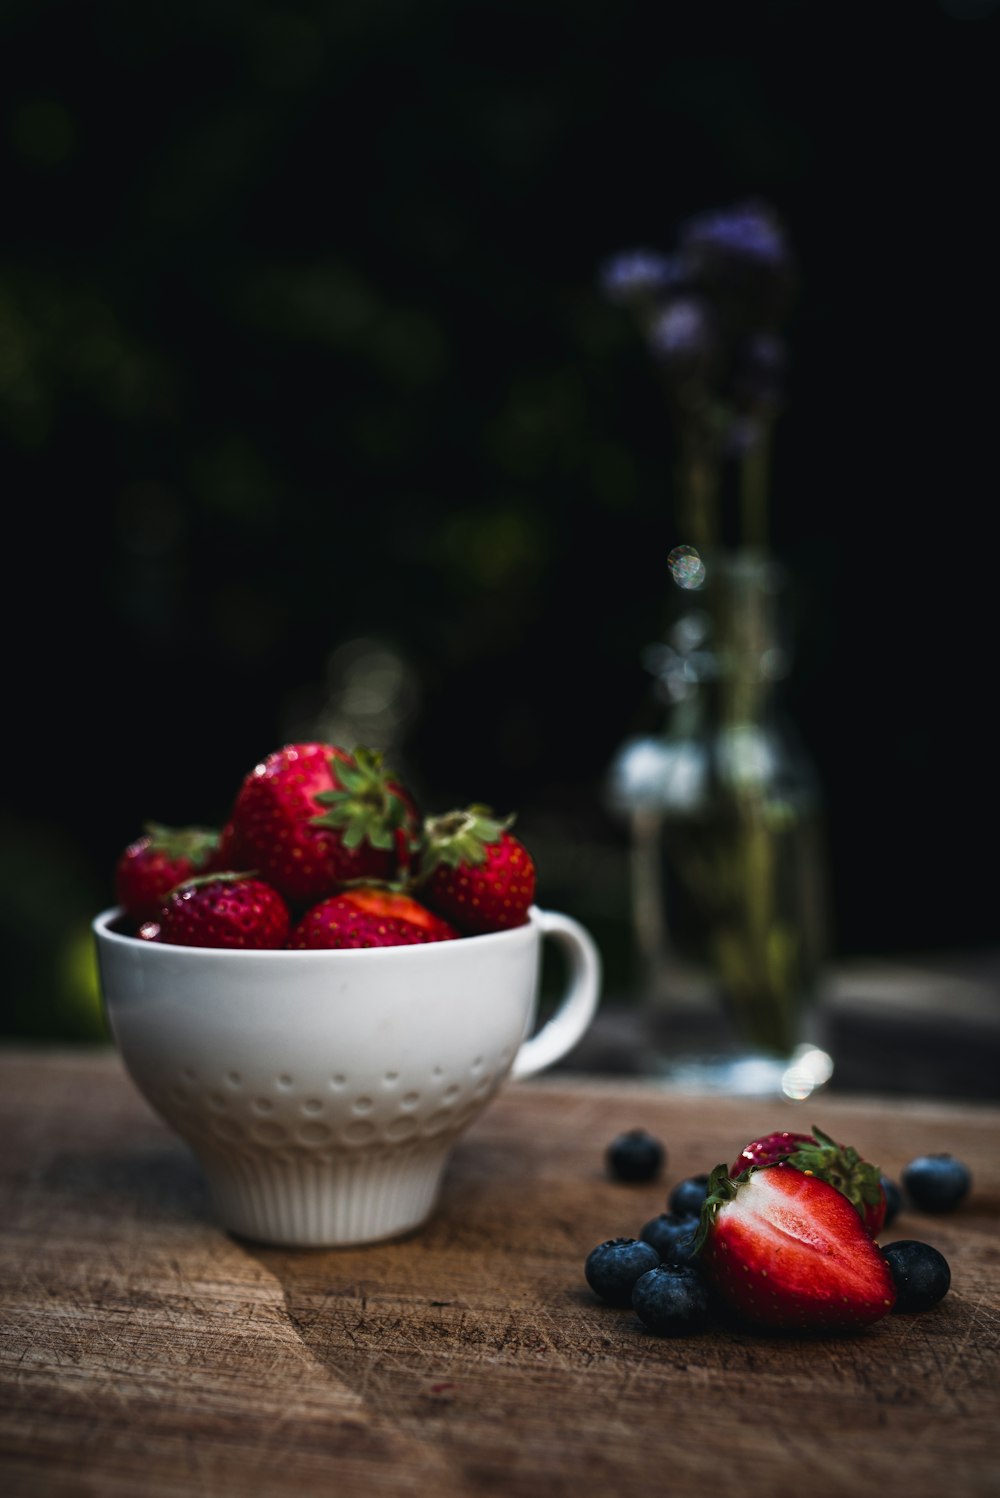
578,1004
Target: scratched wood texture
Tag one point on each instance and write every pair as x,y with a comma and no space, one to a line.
144,1351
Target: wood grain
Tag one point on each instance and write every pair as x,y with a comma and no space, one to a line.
144,1351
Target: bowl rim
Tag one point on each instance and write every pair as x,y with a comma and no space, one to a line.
102,927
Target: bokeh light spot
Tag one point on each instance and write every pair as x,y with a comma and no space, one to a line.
686,567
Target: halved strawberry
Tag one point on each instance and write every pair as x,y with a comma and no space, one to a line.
311,817
839,1165
221,910
474,872
156,862
369,917
787,1251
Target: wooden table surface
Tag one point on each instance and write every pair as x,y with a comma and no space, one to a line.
145,1352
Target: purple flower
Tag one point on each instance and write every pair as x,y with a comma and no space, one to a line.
683,337
635,276
749,232
742,260
712,315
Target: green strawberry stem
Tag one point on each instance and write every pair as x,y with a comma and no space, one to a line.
458,837
196,844
367,807
223,876
390,886
722,1188
841,1166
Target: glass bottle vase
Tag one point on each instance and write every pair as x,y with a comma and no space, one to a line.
728,862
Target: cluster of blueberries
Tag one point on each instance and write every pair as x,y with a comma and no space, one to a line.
657,1274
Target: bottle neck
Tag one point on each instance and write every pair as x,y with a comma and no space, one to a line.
733,630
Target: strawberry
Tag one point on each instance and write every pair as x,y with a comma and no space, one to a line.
837,1164
221,910
154,863
769,1149
311,817
230,857
787,1251
474,872
369,917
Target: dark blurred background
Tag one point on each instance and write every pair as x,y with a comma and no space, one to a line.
314,421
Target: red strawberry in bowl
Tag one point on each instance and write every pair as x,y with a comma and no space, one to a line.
163,857
311,817
369,917
221,910
838,1164
787,1251
474,872
230,857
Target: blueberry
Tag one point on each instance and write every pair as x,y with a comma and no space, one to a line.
636,1155
672,1237
612,1268
920,1273
936,1183
671,1300
686,1198
893,1200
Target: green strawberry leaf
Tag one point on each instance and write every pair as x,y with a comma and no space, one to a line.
196,844
460,837
367,807
841,1166
721,1189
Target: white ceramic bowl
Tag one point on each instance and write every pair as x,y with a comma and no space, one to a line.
322,1091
